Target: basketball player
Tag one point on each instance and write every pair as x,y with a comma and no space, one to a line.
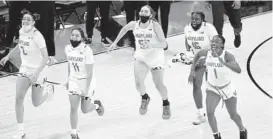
81,80
220,64
149,56
34,58
198,36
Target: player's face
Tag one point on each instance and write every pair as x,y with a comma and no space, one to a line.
196,19
76,35
216,46
145,11
27,20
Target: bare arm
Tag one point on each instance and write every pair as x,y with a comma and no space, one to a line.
231,63
124,30
197,56
160,34
188,47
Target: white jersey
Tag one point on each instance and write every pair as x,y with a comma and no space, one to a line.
201,38
30,44
78,58
218,74
144,40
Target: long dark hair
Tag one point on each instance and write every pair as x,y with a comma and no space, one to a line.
81,32
35,16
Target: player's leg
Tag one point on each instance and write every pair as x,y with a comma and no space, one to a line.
158,79
74,106
41,92
212,100
231,105
88,105
197,95
22,85
141,70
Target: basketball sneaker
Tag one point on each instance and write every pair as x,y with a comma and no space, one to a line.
243,134
201,118
49,89
19,135
75,136
144,105
217,136
100,110
166,112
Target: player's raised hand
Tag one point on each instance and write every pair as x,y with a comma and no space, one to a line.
4,60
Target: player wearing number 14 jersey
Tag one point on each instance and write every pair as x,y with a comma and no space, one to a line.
81,79
198,36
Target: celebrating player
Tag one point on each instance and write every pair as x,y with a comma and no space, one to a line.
198,35
220,64
34,58
149,55
81,80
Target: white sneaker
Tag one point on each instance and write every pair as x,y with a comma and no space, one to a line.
201,118
52,60
19,135
49,89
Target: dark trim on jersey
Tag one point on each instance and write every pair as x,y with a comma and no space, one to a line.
248,67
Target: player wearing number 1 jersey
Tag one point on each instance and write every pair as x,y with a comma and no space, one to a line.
220,64
198,36
81,79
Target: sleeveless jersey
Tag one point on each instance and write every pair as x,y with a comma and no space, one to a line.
201,38
144,41
218,74
30,44
78,58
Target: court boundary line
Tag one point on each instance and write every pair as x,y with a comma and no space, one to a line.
249,71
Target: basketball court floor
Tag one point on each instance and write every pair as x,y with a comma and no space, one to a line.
116,89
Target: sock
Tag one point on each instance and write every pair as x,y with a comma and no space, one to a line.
74,131
166,102
21,126
201,111
145,96
97,106
217,134
243,130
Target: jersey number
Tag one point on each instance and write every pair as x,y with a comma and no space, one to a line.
196,45
215,73
76,67
23,50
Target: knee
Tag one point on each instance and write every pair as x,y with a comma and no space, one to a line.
138,84
233,116
84,110
210,113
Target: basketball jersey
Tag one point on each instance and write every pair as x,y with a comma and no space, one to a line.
144,41
30,44
201,38
78,58
218,74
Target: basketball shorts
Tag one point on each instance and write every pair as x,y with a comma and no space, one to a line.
27,72
154,61
77,86
225,92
